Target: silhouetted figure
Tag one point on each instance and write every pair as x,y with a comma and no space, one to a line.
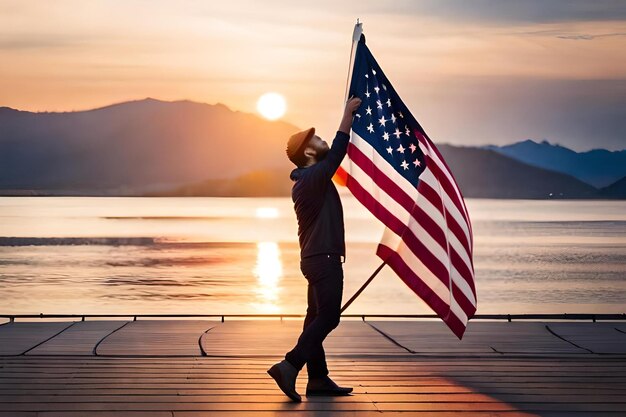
322,247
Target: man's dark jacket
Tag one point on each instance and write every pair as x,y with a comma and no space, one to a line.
317,203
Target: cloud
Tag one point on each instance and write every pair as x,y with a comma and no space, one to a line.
587,37
41,41
508,11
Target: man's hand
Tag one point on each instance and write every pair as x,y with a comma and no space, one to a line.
351,106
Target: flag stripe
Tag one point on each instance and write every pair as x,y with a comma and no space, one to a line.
428,178
427,217
380,178
431,263
423,290
368,171
443,181
421,226
366,148
447,169
434,199
444,175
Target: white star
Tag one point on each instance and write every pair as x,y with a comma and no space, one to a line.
382,121
367,76
413,147
404,165
370,128
417,163
399,114
377,89
388,102
373,71
384,87
367,92
393,117
390,150
407,131
368,110
379,104
358,115
397,133
385,135
400,149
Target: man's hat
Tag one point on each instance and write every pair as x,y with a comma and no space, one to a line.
296,145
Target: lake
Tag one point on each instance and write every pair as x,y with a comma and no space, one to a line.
118,255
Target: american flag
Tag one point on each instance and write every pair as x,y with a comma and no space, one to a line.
396,171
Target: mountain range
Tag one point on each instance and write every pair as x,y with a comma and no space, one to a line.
597,167
151,147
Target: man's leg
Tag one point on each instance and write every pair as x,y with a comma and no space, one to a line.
326,276
316,365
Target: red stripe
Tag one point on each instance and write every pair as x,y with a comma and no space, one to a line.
435,199
446,185
421,252
394,191
395,261
465,304
443,161
383,181
451,187
380,178
432,228
452,225
456,190
461,266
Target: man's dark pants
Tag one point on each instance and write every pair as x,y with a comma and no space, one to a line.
324,274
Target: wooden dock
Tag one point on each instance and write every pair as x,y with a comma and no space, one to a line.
194,368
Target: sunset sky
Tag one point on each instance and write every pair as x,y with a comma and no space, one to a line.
472,72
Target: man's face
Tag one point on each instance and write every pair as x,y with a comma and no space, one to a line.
319,146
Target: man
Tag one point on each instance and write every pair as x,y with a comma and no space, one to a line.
321,235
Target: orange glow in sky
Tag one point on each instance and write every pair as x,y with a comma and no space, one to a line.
443,58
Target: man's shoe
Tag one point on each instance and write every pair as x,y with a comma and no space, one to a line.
285,375
325,386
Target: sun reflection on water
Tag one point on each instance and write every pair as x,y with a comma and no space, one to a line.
268,271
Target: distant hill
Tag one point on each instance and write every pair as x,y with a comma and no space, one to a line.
134,147
615,190
597,167
487,174
270,183
479,172
183,148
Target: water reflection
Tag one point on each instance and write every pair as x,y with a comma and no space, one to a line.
268,271
266,213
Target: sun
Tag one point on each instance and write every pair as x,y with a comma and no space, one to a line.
272,106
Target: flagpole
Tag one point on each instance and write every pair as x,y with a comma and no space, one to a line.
356,294
356,35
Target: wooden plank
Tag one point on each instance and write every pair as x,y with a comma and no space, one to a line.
156,338
392,382
277,397
285,404
430,337
99,413
80,339
17,337
249,337
589,408
596,337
